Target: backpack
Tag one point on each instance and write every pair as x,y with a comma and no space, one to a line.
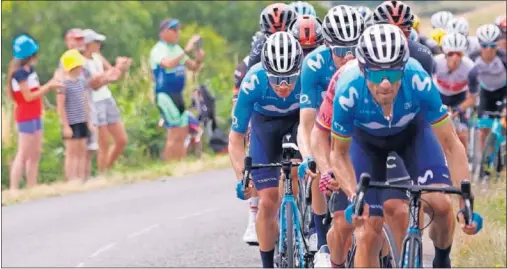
204,102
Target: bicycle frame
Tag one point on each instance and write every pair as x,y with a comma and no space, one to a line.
497,130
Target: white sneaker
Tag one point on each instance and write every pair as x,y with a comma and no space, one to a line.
313,242
322,258
250,236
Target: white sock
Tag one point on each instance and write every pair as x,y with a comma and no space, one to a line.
253,203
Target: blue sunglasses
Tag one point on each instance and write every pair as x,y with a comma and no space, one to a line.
490,45
279,80
342,51
377,76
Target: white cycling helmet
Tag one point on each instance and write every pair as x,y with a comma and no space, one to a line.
367,15
454,42
282,54
458,25
303,8
382,46
488,33
440,19
342,26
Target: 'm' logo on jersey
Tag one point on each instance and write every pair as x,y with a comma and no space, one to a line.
427,175
348,102
250,85
421,85
316,64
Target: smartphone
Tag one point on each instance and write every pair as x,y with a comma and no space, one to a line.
198,44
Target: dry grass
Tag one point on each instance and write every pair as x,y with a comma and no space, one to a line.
206,163
488,247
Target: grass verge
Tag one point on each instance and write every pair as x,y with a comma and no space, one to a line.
488,247
121,175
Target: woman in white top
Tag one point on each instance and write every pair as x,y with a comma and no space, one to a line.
107,118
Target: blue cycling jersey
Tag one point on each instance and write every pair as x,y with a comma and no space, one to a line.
318,69
256,94
355,106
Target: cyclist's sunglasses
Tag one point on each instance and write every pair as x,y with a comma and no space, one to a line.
343,51
490,45
452,53
377,76
279,80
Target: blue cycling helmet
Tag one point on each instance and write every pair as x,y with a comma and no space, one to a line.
303,8
24,47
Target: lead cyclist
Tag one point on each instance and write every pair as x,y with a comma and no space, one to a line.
387,102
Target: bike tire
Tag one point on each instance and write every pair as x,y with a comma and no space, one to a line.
289,250
393,249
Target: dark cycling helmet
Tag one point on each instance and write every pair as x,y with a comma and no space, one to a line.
382,46
394,12
342,26
307,30
282,54
276,17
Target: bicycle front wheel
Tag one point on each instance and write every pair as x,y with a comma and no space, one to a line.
289,250
393,257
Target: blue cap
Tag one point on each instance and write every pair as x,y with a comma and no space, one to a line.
24,46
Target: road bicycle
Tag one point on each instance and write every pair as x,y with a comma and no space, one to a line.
411,255
292,249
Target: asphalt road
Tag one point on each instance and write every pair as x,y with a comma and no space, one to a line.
191,221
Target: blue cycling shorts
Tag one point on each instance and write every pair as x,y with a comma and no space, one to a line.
417,145
266,145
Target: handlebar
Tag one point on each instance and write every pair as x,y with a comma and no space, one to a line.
365,183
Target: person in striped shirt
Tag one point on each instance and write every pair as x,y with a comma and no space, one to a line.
72,105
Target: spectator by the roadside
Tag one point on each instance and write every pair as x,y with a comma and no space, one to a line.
168,61
23,85
107,114
73,109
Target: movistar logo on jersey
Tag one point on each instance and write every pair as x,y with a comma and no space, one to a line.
248,86
315,64
421,85
427,175
348,102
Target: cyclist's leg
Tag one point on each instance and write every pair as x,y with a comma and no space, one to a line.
266,147
487,108
367,159
339,235
426,162
396,202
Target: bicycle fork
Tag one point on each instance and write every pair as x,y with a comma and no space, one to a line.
412,244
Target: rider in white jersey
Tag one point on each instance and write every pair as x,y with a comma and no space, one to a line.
455,77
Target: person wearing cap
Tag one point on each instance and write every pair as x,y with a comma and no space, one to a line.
73,109
168,61
25,90
107,113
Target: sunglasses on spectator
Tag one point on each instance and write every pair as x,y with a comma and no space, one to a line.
377,76
279,80
452,53
490,45
342,51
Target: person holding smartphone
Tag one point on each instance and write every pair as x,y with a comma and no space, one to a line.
168,62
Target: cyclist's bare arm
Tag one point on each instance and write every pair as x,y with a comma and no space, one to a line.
342,165
320,148
454,152
237,152
306,122
469,101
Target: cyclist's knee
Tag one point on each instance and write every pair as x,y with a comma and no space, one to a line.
396,209
439,204
269,201
340,225
369,233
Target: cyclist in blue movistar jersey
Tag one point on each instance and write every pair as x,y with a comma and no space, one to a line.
388,103
274,18
303,8
269,97
341,29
